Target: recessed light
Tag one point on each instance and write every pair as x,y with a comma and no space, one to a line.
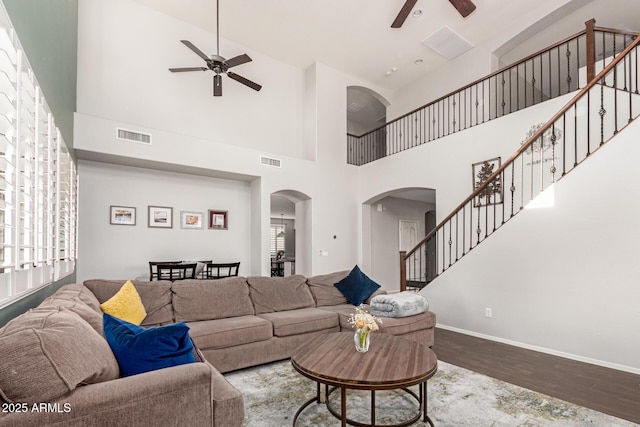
388,73
394,69
418,61
417,13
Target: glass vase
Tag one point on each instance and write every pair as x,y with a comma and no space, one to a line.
361,340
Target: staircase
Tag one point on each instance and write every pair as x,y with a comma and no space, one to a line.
604,107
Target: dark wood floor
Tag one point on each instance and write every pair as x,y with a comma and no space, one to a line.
605,390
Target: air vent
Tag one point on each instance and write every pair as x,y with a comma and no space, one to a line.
354,107
269,161
447,43
129,135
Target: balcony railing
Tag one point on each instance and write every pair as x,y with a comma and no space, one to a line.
539,77
607,104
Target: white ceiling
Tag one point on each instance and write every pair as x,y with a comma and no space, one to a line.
353,36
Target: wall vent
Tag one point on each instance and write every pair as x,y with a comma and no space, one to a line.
133,136
270,161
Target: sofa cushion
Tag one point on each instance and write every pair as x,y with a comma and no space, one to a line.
357,286
139,349
272,294
76,306
301,321
155,296
46,354
79,292
211,299
230,332
323,289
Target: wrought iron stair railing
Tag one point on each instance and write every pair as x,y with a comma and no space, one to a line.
605,106
539,77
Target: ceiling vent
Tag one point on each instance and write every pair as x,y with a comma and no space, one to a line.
132,136
354,107
270,161
447,43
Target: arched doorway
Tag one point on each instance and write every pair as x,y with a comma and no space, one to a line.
385,216
290,233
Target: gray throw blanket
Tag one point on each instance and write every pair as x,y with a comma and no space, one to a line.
398,305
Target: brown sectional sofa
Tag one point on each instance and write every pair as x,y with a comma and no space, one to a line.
235,322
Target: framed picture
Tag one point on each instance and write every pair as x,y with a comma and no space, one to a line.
192,220
492,193
160,217
123,215
218,220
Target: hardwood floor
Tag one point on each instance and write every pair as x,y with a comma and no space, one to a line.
606,390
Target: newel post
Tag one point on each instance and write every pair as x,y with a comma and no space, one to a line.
403,271
591,49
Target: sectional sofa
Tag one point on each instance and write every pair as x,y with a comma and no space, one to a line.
56,354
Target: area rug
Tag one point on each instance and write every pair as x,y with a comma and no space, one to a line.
457,397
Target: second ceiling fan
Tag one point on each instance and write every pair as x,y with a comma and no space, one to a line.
218,64
464,7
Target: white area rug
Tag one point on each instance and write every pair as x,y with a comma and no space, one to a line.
456,398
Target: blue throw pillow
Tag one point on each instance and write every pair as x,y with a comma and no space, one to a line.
357,286
139,349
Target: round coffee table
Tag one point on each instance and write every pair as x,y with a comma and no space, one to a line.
391,363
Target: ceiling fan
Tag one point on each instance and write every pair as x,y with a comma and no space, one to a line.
464,7
218,64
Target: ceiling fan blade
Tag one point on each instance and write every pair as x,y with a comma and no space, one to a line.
198,52
244,81
217,85
464,7
404,12
238,60
180,70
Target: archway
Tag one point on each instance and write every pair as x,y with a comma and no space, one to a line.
366,112
383,217
290,231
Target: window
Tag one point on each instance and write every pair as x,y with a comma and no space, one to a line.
38,181
277,239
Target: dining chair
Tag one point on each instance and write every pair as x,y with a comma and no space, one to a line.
277,268
220,270
153,271
175,272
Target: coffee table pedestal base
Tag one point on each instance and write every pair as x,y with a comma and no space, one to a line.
421,399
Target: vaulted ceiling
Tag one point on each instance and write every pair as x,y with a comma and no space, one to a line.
354,36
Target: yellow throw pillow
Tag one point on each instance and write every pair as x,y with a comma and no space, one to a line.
126,305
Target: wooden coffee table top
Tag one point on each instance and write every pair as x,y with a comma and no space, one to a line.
390,363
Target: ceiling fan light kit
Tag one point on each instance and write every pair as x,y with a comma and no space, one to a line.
218,64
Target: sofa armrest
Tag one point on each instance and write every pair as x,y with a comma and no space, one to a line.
195,394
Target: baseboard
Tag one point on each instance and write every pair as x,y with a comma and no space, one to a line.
578,358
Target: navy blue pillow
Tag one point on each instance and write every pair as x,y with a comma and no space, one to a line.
357,286
139,349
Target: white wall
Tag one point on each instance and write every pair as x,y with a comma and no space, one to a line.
562,279
445,164
192,131
124,52
123,252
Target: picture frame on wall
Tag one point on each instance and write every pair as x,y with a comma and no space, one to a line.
122,215
492,193
191,220
160,217
218,220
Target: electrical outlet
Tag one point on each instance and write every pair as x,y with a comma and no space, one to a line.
488,312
